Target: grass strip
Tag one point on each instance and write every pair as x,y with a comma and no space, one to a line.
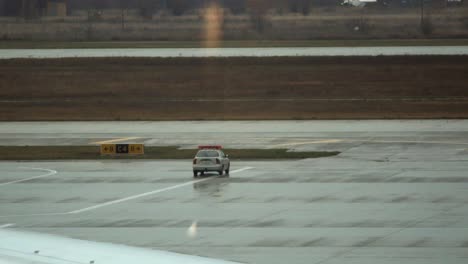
151,152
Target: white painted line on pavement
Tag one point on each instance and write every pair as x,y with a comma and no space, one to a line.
114,140
240,170
326,141
333,141
50,173
410,142
6,225
124,199
94,207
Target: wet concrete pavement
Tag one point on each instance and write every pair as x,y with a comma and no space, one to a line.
232,52
330,135
398,193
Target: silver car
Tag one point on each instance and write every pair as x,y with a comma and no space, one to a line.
211,158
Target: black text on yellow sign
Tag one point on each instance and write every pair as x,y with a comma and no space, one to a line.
133,149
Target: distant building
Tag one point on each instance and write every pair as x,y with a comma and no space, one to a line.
57,8
359,3
454,2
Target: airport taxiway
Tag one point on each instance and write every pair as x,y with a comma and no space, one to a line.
330,135
233,52
396,194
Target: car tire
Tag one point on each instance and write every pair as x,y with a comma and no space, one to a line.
195,174
227,171
220,172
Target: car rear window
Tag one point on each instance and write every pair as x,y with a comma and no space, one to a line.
207,154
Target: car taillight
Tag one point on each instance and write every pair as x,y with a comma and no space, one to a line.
194,161
218,161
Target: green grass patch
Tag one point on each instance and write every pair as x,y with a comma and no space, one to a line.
229,44
93,152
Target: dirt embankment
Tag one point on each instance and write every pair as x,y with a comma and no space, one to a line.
234,88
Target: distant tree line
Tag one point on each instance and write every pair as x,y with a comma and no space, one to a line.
26,8
179,7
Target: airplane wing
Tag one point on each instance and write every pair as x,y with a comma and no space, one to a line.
32,248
